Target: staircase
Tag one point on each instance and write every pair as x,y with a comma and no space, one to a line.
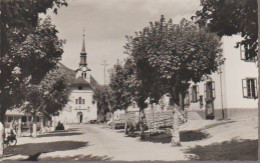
193,115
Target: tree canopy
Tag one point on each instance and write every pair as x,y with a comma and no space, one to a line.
229,17
28,61
169,56
49,96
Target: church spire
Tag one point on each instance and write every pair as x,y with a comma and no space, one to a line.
83,54
83,50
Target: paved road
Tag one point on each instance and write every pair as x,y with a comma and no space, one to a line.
114,145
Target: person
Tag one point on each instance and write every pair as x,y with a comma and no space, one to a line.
15,126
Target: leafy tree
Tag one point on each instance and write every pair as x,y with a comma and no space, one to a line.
141,83
47,97
173,55
27,62
100,96
20,31
119,97
229,17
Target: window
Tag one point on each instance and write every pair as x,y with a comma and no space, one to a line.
186,98
245,55
84,75
79,87
249,88
209,89
80,100
10,118
195,93
24,119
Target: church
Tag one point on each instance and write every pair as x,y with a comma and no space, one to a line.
80,108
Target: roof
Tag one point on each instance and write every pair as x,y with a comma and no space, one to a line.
80,80
71,74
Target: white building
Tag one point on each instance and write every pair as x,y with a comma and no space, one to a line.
233,92
81,108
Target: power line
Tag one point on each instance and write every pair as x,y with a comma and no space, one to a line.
105,75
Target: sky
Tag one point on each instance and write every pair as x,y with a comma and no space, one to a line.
106,24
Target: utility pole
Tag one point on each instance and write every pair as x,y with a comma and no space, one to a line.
105,65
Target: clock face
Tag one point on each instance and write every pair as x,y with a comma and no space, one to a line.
84,69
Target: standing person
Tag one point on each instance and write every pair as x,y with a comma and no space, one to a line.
15,126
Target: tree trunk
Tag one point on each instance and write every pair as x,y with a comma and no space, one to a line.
42,125
2,137
2,129
181,101
142,135
175,128
126,119
34,133
53,124
19,132
113,120
49,125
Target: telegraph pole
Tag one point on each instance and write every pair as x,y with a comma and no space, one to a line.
105,65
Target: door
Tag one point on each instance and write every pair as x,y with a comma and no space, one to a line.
209,98
80,117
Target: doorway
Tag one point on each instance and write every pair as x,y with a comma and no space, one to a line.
80,117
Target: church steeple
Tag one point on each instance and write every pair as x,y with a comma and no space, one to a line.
83,54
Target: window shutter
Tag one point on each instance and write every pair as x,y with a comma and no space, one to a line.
83,101
197,93
242,53
244,88
190,94
76,101
213,90
256,90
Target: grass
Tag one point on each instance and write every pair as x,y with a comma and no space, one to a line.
229,150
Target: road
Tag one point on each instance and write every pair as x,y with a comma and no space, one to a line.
90,142
104,144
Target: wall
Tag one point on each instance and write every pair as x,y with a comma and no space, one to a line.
230,97
70,112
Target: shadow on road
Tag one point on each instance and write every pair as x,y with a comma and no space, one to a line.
77,158
33,150
243,150
60,134
185,136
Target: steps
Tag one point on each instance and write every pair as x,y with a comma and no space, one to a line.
193,115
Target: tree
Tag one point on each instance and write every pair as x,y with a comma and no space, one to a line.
141,83
119,97
173,55
229,17
19,20
48,97
26,56
100,96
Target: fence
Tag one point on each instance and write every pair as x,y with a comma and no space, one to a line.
156,119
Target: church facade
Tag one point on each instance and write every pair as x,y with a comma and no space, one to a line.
81,108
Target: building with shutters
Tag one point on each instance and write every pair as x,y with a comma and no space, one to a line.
81,108
232,92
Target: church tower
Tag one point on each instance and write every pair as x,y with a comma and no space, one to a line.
83,66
